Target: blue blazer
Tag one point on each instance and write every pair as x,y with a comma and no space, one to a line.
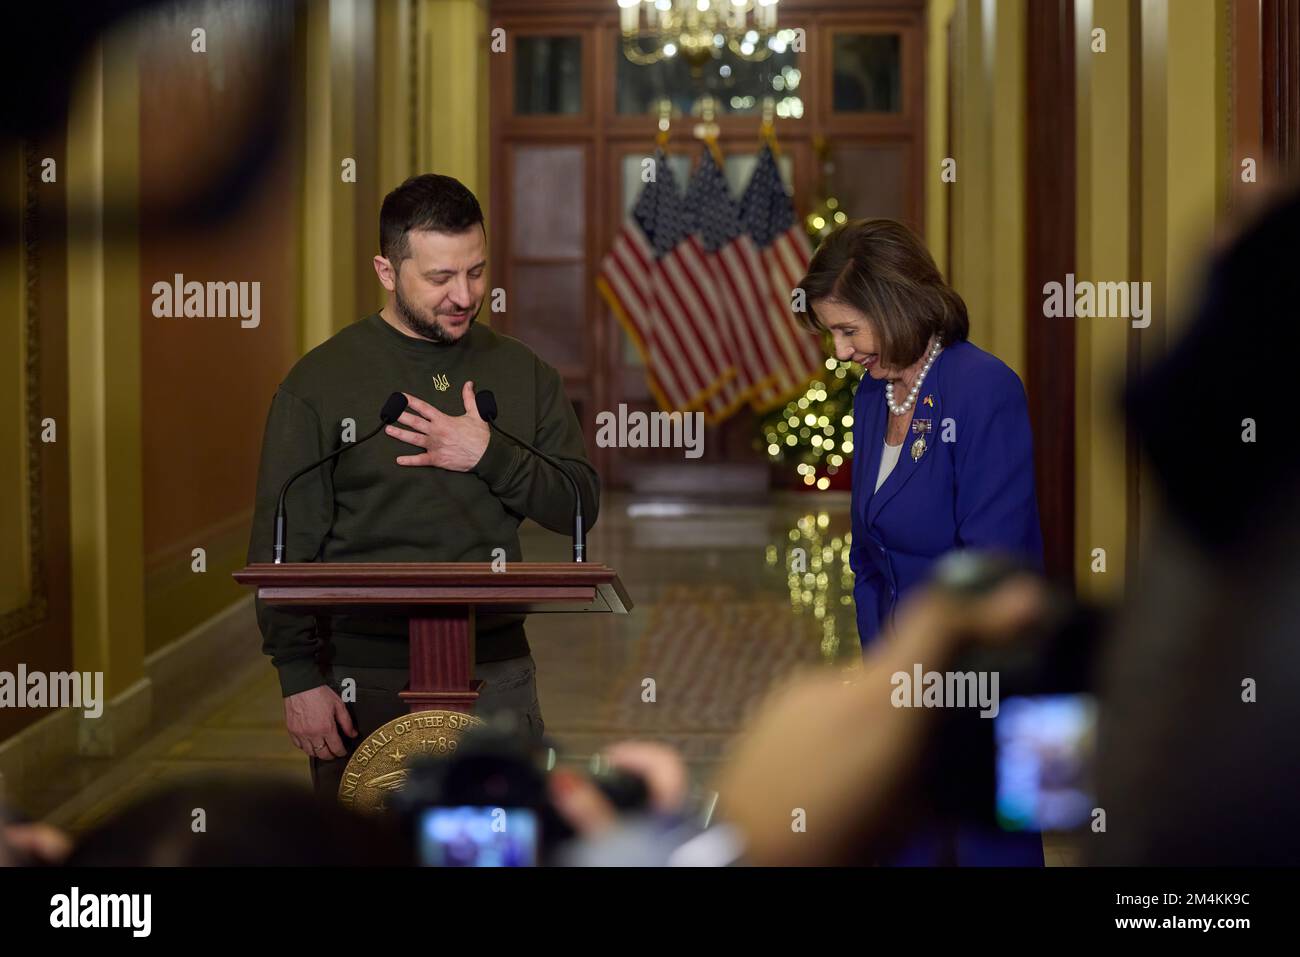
971,487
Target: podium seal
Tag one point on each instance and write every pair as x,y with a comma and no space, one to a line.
379,765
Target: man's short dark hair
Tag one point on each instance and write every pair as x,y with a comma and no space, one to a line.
428,201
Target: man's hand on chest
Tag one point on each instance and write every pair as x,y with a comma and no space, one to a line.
452,442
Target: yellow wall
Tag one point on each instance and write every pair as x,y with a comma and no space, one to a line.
1184,149
1102,208
198,494
453,133
330,252
396,83
1196,132
435,51
988,198
453,92
938,16
972,202
104,370
15,562
1145,221
1006,47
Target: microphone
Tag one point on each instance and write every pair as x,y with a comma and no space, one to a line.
487,410
390,413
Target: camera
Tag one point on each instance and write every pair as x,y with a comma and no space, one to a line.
1024,759
487,803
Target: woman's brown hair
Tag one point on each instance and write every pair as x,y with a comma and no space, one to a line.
883,270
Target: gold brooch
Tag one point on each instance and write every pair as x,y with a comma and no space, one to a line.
920,428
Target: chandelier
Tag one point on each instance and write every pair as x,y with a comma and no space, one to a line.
697,30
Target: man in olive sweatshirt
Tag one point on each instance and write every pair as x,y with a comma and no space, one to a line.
437,486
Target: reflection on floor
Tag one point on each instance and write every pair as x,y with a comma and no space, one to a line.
719,617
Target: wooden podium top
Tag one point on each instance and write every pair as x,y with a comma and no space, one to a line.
524,587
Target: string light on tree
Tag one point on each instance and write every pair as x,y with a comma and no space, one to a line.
815,431
826,212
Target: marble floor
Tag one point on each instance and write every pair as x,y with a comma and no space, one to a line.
718,618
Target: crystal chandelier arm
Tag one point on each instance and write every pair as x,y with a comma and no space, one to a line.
761,50
689,30
632,50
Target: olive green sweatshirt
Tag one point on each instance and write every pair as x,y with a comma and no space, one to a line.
364,507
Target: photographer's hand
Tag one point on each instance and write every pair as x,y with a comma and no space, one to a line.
580,803
837,749
38,843
659,766
586,809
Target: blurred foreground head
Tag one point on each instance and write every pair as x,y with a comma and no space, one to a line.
246,822
1200,732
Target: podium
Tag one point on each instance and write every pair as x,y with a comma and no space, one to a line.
439,600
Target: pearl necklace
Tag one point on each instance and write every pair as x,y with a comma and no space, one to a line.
916,387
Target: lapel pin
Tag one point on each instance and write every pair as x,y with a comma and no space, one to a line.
920,428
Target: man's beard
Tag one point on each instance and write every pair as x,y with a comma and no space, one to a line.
424,327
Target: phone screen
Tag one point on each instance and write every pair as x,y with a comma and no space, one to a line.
480,836
1044,760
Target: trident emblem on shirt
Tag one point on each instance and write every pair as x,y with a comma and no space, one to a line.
440,382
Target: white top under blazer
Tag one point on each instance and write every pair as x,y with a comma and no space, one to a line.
888,459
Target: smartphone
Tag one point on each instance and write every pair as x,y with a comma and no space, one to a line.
477,836
1044,749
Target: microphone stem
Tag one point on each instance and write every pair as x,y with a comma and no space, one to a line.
281,519
579,525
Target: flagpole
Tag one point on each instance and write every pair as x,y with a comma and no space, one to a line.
767,128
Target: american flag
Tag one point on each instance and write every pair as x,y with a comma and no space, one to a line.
656,280
758,333
783,246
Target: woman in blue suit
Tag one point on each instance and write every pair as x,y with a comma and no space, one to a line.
942,451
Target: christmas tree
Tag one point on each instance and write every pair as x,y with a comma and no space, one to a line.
814,432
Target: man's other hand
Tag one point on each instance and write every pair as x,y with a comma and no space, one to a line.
313,718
